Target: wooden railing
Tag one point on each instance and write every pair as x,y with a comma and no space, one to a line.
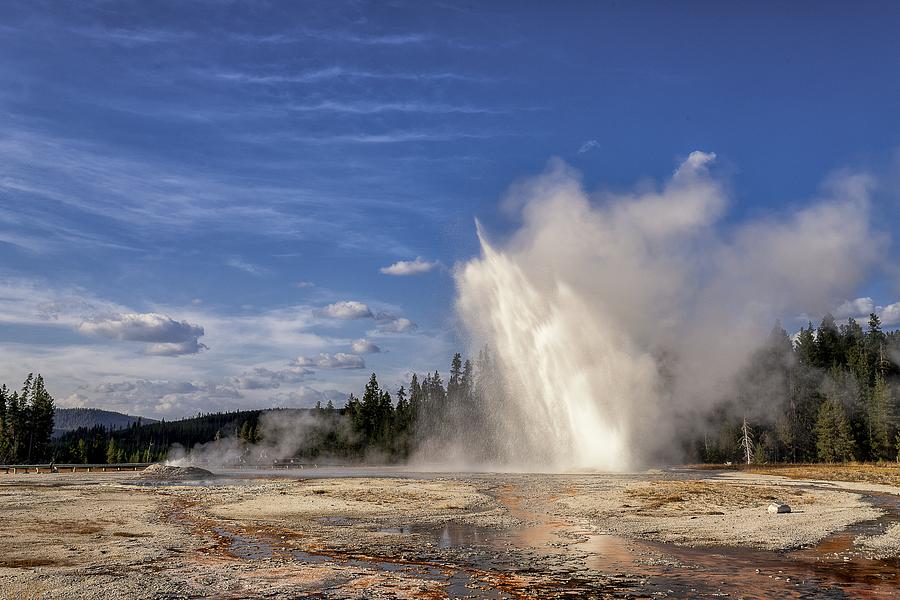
72,468
106,468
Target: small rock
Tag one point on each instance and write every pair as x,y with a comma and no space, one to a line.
777,508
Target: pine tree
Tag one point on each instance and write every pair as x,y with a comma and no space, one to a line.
41,426
875,342
16,428
879,420
437,393
4,443
80,454
828,343
454,384
806,346
415,401
467,381
244,433
384,421
402,419
112,451
833,441
371,401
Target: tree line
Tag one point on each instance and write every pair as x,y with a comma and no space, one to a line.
148,442
378,426
827,395
26,422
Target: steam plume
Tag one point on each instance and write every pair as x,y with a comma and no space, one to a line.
613,318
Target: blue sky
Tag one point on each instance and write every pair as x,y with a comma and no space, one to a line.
200,202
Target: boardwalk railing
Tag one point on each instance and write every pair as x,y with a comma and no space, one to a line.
286,463
72,468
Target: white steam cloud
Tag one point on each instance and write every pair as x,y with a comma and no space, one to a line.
614,318
281,433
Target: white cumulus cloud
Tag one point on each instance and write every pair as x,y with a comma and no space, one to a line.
409,267
166,336
364,346
396,325
890,314
861,308
347,309
854,308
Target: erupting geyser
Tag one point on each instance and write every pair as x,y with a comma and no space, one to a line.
545,342
611,317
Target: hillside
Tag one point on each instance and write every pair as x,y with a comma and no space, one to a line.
69,419
148,442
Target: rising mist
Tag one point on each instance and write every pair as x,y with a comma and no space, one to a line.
618,319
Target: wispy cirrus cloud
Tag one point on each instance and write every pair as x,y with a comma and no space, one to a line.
370,108
132,37
334,72
387,137
246,266
305,395
338,360
588,146
56,185
334,36
260,378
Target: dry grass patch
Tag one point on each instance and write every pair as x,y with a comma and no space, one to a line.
29,563
65,527
885,474
695,495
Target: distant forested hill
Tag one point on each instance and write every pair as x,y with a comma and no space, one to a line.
69,419
150,440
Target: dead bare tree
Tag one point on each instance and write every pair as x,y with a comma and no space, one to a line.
747,441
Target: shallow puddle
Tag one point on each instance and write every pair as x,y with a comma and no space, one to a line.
569,559
832,568
459,583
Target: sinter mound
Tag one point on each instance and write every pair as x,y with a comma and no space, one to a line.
171,473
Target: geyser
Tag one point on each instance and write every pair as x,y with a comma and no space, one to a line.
610,317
